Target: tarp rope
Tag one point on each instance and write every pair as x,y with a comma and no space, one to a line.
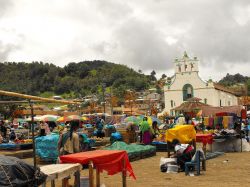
6,175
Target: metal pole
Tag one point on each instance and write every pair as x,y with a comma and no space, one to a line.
111,97
131,108
33,137
103,97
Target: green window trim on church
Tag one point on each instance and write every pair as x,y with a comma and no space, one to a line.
187,91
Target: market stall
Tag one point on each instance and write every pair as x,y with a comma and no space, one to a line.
61,171
204,139
224,126
108,160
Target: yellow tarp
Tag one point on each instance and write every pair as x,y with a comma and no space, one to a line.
184,133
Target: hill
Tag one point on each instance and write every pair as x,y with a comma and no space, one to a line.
237,82
75,79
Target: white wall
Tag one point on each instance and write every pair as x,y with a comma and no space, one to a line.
201,90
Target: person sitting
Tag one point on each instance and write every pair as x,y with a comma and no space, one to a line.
84,142
183,153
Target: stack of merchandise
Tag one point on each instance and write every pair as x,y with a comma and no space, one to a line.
134,151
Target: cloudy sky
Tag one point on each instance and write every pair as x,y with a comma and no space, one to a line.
143,34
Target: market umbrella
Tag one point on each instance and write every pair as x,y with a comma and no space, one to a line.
49,117
132,119
84,118
19,120
15,172
69,118
156,119
35,119
150,119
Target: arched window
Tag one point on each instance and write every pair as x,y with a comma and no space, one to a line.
187,91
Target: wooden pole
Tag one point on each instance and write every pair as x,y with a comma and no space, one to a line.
124,182
91,174
30,97
33,138
77,179
97,177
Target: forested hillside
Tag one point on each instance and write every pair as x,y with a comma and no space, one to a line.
78,79
237,82
83,78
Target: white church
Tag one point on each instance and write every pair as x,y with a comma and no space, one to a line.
186,84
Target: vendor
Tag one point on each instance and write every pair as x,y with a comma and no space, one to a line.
155,130
181,120
69,142
84,143
145,131
3,129
1,139
183,153
12,134
44,129
99,127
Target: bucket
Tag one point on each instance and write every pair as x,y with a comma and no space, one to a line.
172,168
84,182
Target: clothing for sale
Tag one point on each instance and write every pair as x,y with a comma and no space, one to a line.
211,122
206,121
215,121
220,120
225,122
231,122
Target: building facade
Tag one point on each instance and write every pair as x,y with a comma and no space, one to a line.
186,84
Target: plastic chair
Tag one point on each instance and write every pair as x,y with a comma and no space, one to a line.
196,162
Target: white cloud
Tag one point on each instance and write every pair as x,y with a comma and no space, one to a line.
143,34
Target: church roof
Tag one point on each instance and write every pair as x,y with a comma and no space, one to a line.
190,105
224,89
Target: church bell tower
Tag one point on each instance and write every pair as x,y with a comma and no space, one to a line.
186,64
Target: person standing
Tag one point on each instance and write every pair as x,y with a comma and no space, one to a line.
155,130
44,128
3,129
145,131
69,142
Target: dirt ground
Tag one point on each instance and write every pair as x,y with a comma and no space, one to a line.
230,169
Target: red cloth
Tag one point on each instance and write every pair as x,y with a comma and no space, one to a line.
222,114
108,160
244,114
189,149
204,138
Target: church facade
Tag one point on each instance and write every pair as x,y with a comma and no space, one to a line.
186,84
